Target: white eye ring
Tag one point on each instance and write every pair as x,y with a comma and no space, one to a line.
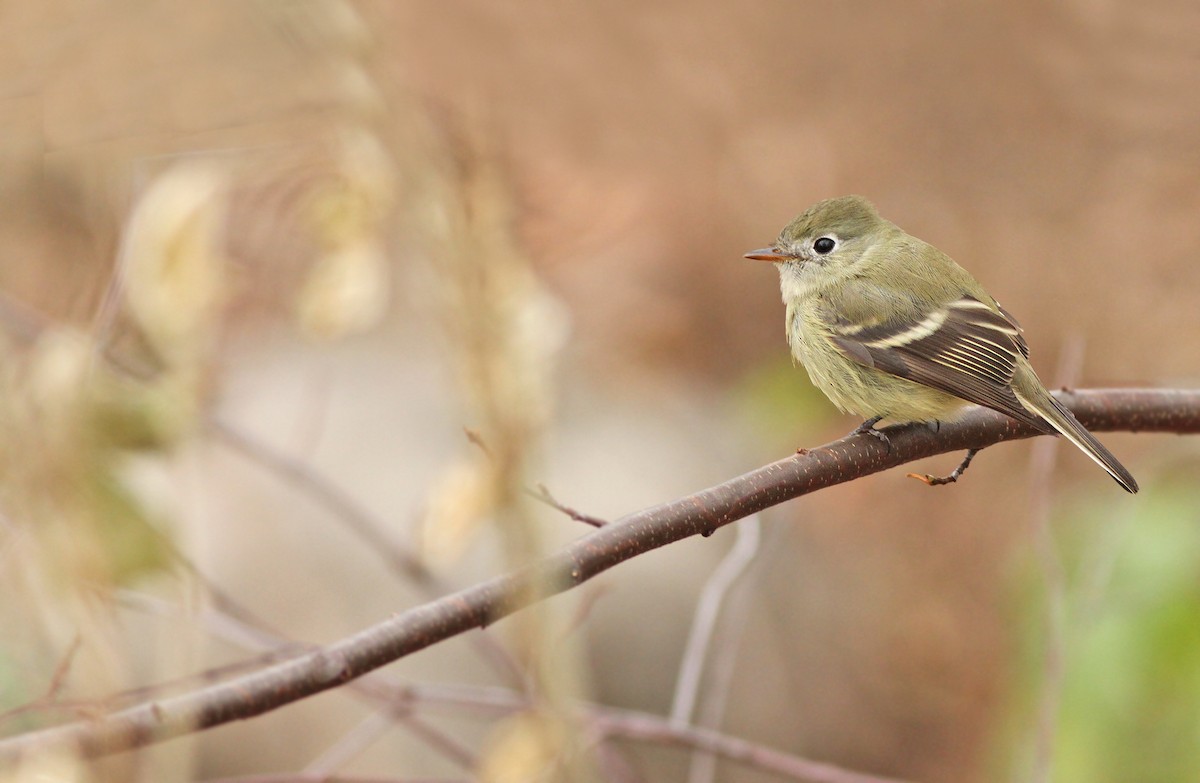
824,245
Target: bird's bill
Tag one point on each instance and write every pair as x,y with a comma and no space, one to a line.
766,254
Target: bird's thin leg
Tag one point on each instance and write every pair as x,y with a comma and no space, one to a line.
934,481
868,428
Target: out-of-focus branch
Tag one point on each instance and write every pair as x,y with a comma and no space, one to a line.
1138,410
704,621
405,701
369,530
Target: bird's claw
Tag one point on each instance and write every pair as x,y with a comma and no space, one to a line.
931,480
868,428
937,481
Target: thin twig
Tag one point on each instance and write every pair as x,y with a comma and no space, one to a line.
374,727
619,723
544,496
1097,571
476,439
442,742
722,665
104,320
343,507
49,698
612,762
614,722
352,743
704,619
582,611
372,531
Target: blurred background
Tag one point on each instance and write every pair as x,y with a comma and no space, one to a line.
303,300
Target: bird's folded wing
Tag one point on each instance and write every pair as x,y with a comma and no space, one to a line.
964,348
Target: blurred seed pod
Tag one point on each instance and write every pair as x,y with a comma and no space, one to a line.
461,500
528,746
346,291
173,264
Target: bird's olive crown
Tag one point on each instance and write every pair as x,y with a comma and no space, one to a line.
846,217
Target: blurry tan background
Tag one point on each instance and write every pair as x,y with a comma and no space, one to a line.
620,157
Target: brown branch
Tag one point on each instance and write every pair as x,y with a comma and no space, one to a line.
1138,410
605,723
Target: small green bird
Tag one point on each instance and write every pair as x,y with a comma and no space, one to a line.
888,326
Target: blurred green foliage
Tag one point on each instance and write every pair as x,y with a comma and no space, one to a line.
780,407
14,689
133,547
1130,700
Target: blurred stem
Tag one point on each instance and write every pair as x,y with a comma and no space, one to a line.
724,665
371,531
706,618
500,323
1045,457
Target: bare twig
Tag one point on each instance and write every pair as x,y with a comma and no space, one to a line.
1142,410
614,722
615,767
57,680
352,743
476,439
442,742
618,723
582,611
372,531
722,666
374,727
704,620
544,496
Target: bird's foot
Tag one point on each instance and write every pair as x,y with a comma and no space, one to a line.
868,428
934,481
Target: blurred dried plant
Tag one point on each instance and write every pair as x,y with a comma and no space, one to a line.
311,217
172,274
529,746
71,415
72,422
504,330
346,289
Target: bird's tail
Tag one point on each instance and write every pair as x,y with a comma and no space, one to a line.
1065,422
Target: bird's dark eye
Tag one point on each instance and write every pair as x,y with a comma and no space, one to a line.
824,245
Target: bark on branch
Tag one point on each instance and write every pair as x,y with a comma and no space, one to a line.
1136,410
